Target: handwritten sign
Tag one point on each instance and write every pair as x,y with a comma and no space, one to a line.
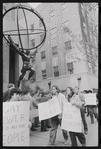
15,123
90,99
49,109
71,120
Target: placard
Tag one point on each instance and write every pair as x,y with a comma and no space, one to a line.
15,123
90,99
49,109
71,120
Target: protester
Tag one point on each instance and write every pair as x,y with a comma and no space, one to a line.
82,110
44,123
40,99
15,95
92,111
7,94
35,96
34,105
22,96
77,102
56,120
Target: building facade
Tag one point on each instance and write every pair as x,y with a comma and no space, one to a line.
64,59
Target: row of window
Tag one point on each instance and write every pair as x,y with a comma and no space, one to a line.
55,51
56,70
70,70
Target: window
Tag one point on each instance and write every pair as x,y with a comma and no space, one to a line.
68,45
65,27
33,43
53,33
70,68
41,37
43,55
56,71
32,27
54,50
40,23
43,74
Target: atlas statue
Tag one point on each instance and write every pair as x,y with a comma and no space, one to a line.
24,52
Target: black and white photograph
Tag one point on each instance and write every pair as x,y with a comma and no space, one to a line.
50,74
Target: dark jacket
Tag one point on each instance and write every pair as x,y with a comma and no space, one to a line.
9,93
42,99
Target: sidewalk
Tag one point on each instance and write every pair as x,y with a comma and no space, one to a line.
38,138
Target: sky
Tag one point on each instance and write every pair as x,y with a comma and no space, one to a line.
34,5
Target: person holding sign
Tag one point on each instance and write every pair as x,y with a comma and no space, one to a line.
75,101
56,120
7,94
92,110
82,110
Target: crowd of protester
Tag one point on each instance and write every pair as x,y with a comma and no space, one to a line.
74,96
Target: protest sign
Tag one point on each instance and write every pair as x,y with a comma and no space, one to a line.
15,123
49,109
71,120
90,99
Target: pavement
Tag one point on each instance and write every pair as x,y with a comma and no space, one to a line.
38,138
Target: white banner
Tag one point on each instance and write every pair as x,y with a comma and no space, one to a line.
15,123
49,109
90,99
71,120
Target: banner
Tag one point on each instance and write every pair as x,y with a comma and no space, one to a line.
90,99
71,120
15,123
49,109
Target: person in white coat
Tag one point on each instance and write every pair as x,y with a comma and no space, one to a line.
56,120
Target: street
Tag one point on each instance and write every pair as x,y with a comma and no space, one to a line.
38,138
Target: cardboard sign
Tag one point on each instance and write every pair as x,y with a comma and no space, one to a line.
15,123
49,109
71,120
90,99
